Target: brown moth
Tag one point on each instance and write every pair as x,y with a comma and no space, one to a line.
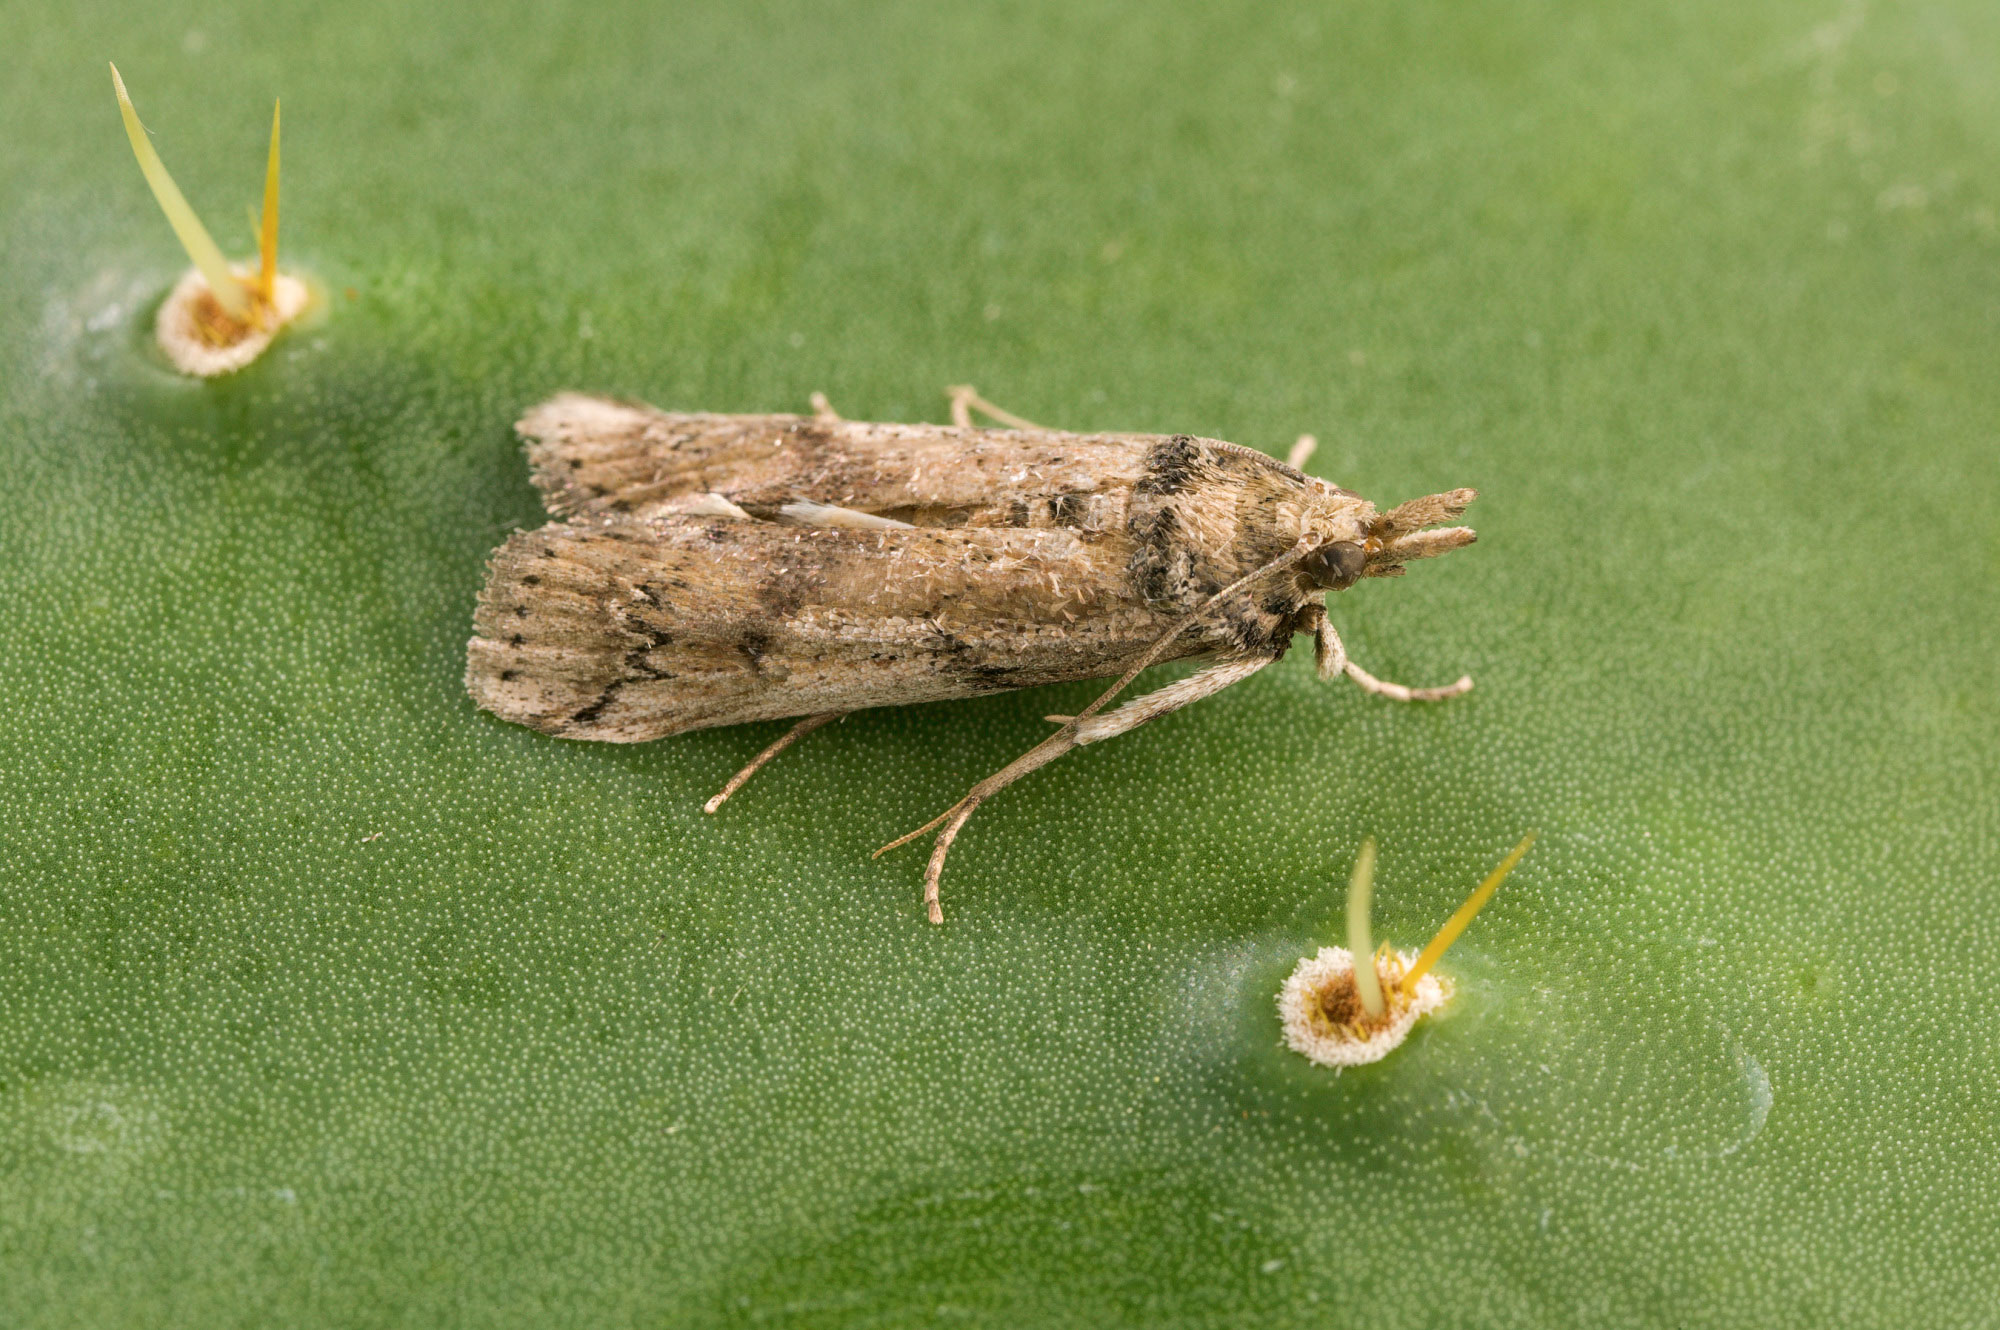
720,569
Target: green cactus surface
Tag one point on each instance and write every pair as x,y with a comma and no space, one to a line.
329,1000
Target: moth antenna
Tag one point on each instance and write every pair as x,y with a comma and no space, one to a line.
1360,890
1285,560
1456,924
1062,741
267,232
909,836
194,237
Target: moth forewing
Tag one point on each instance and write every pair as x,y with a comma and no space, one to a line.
718,569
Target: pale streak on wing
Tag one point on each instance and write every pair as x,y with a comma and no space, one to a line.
804,512
714,505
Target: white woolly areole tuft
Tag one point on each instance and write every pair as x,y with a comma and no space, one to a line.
1310,1032
179,332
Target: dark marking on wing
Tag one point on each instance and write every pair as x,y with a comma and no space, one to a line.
755,644
1259,628
957,659
598,705
1160,557
1171,465
781,595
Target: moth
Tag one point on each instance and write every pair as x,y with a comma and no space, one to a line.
712,570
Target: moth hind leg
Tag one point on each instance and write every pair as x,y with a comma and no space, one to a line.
784,741
1330,654
1074,734
965,399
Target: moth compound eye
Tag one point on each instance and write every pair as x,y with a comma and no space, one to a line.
1337,566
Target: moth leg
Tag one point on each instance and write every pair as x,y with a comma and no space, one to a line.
1091,729
1331,657
1301,452
965,399
798,731
1403,692
823,410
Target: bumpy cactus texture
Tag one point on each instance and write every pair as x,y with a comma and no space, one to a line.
327,1000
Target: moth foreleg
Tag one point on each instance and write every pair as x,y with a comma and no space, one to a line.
1092,729
1398,692
1331,657
823,411
1301,452
784,741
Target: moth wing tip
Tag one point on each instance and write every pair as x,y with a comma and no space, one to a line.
569,411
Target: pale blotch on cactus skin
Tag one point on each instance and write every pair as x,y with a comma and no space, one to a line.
1332,1016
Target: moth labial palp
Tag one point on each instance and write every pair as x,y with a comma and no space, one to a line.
707,570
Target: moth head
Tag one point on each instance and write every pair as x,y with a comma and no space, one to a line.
1387,541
